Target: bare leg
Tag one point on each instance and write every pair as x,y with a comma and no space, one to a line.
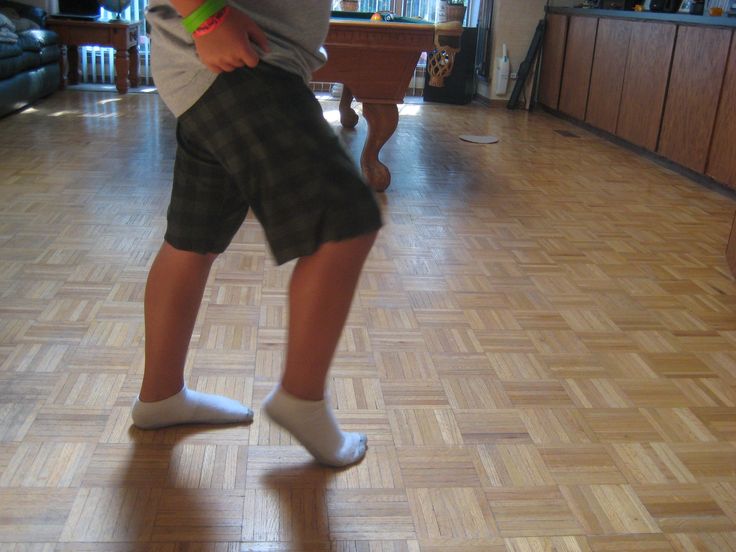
320,295
321,291
173,294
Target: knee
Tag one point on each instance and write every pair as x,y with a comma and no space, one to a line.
351,250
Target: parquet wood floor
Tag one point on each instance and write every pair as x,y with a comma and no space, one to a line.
542,351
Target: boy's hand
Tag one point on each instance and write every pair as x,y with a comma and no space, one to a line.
230,45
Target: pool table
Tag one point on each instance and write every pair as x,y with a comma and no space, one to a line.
375,61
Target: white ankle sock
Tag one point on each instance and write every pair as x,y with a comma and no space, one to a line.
314,426
189,407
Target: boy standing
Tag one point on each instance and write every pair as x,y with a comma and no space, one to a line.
251,135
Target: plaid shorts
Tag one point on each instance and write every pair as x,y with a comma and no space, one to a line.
257,139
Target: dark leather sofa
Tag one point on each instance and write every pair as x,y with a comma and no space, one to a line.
29,68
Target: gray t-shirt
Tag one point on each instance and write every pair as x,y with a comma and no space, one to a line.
295,32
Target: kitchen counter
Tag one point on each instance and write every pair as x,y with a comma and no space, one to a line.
681,18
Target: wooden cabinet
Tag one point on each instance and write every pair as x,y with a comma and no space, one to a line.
578,62
553,58
692,97
668,86
722,160
645,83
607,77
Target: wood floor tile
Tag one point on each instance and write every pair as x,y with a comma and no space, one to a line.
683,509
475,392
451,513
201,466
513,466
552,544
369,514
620,425
678,425
541,355
532,511
609,509
111,515
60,465
581,464
196,515
634,543
16,419
649,463
33,515
432,467
719,421
557,425
431,426
703,542
658,393
414,393
708,462
379,470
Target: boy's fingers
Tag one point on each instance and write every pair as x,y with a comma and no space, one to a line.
257,35
249,56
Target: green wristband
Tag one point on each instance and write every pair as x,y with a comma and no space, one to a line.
194,20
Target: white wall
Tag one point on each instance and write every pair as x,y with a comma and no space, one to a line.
514,22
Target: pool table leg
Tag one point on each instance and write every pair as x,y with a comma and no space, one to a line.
382,120
348,117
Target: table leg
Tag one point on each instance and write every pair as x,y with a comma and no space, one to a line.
348,117
133,53
121,70
72,53
382,120
63,67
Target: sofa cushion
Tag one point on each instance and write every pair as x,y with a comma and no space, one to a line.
8,33
7,36
10,50
50,54
26,11
30,60
6,22
21,23
36,40
9,66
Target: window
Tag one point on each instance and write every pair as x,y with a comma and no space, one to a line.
98,64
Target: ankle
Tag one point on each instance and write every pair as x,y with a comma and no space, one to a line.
149,394
302,393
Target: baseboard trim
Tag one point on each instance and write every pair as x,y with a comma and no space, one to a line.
488,102
700,178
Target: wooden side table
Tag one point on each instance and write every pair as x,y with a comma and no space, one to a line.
121,35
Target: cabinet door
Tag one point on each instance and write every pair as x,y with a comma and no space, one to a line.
553,57
607,78
722,161
645,83
578,62
693,94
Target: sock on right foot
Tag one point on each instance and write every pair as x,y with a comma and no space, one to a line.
314,425
189,407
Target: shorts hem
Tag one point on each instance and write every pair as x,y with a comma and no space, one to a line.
186,245
306,249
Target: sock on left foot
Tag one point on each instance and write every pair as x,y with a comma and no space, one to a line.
189,407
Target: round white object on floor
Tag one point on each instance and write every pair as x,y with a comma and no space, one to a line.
478,139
